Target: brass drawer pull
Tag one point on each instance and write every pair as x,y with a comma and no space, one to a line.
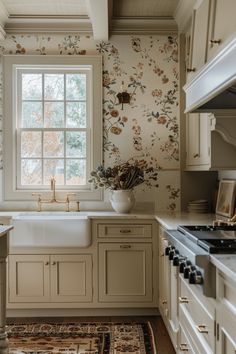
196,155
183,347
191,70
183,300
125,246
215,41
202,329
125,231
164,302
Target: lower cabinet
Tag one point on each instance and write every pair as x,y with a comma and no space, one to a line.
125,272
50,278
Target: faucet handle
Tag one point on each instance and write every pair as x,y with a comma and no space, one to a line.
39,200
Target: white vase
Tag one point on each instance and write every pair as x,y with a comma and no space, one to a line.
122,201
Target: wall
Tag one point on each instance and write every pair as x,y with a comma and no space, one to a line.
148,127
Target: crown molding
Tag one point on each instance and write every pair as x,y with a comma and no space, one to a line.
143,25
50,24
183,13
3,18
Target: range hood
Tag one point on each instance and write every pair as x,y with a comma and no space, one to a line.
214,86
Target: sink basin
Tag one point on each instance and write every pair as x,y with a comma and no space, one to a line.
51,230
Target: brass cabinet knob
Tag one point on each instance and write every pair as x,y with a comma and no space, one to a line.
183,300
164,302
46,263
202,328
125,246
54,263
196,155
215,41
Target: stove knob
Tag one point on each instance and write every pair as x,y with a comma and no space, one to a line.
198,277
168,249
172,254
177,260
187,270
192,278
183,264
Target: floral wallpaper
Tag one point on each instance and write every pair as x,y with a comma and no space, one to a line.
147,128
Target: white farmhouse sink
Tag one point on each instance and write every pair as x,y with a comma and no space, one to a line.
50,230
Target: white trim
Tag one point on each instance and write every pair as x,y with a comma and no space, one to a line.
183,13
213,78
143,25
98,12
10,187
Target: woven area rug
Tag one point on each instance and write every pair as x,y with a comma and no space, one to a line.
81,338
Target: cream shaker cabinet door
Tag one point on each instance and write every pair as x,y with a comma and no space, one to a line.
200,27
71,278
125,272
164,278
222,25
28,278
198,152
226,331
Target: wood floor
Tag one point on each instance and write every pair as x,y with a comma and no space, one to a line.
162,339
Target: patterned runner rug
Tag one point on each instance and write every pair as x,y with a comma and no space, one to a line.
81,338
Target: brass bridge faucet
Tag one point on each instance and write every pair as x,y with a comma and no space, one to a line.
53,199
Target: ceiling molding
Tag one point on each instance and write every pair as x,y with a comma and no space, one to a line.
48,24
98,13
183,13
3,18
143,25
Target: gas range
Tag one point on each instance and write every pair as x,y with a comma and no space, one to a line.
189,248
214,239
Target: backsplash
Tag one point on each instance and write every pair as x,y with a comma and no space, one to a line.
148,127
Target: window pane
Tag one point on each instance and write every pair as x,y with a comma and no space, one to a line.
31,144
76,86
53,144
75,144
54,168
54,86
31,86
76,114
54,115
75,172
31,172
32,115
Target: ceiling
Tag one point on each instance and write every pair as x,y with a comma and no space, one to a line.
99,17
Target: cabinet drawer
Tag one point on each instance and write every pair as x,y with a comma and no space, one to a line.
201,314
123,230
184,343
226,292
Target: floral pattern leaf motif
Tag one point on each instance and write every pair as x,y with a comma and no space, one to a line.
174,194
71,46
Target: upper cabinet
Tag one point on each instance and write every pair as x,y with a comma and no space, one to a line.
211,141
222,25
210,55
198,37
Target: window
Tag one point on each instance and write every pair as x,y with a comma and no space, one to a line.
50,122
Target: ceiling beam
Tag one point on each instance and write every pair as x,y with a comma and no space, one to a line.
98,13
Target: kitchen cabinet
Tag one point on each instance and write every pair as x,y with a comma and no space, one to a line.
210,141
125,272
222,25
226,315
127,263
50,278
168,290
198,150
198,37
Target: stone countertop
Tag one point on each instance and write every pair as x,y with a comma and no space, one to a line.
4,229
173,219
225,263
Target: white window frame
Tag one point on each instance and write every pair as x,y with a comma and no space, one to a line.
12,66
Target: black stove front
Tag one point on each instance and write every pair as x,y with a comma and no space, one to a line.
214,239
